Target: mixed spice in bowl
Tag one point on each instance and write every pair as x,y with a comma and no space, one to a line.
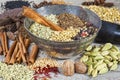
78,28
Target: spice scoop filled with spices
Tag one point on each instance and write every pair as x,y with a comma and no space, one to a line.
77,28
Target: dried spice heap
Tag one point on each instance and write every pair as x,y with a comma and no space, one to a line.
98,3
107,14
100,59
15,72
15,4
66,20
43,67
45,3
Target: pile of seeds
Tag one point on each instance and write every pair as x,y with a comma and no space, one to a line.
66,20
15,72
101,59
65,35
43,66
108,14
41,31
43,62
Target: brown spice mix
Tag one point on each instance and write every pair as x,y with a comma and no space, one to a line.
66,20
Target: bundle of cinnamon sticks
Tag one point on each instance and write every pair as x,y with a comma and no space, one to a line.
18,51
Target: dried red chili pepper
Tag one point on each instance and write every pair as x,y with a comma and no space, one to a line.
45,71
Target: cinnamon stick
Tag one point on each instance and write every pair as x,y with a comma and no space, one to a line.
22,42
13,58
27,43
28,12
3,43
19,59
22,53
8,56
6,42
18,56
1,50
33,54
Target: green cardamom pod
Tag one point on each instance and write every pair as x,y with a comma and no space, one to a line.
99,67
118,57
104,53
114,53
114,66
84,58
94,73
114,56
90,59
108,63
94,60
116,48
87,53
96,49
90,69
108,57
103,71
88,63
94,53
115,62
89,48
98,57
98,63
107,46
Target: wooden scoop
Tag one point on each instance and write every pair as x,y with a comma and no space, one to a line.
28,12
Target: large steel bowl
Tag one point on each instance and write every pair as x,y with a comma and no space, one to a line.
64,50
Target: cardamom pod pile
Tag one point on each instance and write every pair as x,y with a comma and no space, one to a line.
101,59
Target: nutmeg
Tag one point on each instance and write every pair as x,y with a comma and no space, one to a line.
80,67
68,68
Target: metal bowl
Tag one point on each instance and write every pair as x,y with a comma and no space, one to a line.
64,50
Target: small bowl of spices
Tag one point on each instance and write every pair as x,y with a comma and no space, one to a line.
73,29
